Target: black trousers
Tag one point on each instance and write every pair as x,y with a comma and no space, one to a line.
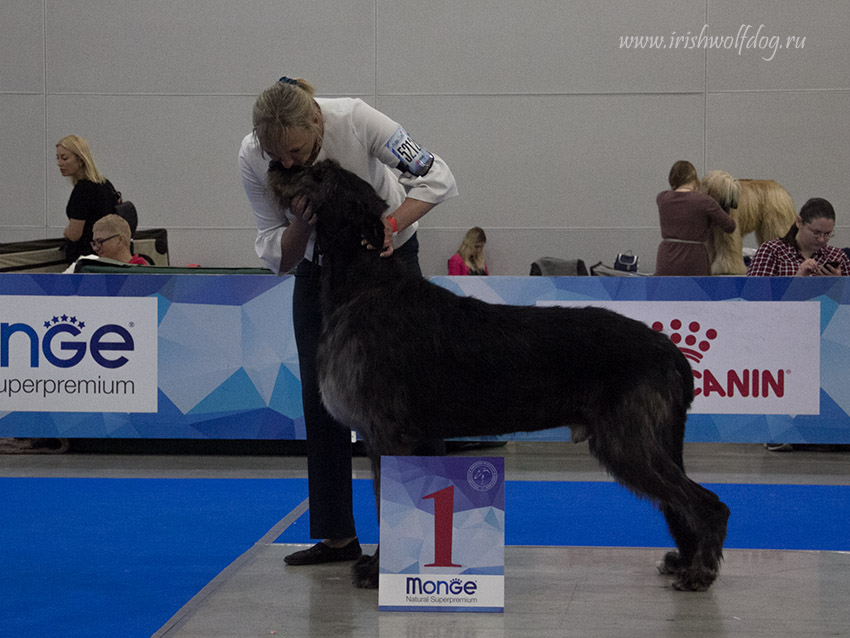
328,442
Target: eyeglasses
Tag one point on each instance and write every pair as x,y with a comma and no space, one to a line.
98,243
820,234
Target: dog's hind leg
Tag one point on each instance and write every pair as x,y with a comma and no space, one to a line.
687,542
698,528
650,465
707,517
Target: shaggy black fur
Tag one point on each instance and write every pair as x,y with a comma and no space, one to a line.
403,360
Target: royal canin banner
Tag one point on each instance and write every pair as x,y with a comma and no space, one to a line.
226,364
78,354
747,358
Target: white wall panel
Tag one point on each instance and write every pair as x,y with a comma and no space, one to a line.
559,137
546,46
778,45
554,161
213,46
21,46
173,156
12,235
800,139
213,248
22,161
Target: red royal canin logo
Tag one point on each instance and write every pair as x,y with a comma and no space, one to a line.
693,342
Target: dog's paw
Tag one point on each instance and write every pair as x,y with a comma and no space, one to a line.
364,573
670,564
694,579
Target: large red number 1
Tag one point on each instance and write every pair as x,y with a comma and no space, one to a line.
444,506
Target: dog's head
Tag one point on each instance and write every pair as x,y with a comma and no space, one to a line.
722,188
342,202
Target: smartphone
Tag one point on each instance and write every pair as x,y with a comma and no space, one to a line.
833,264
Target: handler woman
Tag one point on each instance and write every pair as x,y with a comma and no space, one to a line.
293,127
686,218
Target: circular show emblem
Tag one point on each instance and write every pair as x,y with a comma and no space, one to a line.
482,475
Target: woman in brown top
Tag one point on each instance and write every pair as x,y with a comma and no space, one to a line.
686,218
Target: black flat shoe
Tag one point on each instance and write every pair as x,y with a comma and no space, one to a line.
321,553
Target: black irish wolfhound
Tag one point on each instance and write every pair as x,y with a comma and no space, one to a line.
402,360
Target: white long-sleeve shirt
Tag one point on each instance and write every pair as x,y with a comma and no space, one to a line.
356,136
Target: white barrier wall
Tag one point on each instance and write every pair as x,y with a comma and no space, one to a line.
213,356
560,125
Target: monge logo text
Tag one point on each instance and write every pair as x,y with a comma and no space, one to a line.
78,354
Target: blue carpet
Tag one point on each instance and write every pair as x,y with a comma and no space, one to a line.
594,514
118,557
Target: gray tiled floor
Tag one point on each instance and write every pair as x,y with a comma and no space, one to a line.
572,591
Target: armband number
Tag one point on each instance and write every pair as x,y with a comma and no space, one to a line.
412,158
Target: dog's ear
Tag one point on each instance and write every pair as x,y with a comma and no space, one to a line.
734,194
361,206
282,183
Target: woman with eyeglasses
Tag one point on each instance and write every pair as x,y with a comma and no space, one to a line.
804,251
111,240
92,198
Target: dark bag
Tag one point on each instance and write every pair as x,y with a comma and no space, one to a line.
554,267
128,211
627,262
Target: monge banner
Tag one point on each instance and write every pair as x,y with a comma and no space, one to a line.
442,534
78,354
747,357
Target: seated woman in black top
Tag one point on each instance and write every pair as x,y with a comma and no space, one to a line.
92,198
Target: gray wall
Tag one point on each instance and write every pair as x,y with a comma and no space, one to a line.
559,138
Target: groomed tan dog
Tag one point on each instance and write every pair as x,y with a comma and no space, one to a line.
761,206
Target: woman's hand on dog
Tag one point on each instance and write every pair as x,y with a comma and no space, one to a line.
388,248
302,210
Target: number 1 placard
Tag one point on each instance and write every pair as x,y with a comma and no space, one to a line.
442,534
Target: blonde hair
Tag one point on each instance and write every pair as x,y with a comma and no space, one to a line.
722,188
79,147
473,255
288,104
114,225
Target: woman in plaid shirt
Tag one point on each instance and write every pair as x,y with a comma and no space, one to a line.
804,251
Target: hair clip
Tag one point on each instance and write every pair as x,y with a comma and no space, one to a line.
286,80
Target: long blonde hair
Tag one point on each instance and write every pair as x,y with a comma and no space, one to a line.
79,147
722,188
472,249
288,104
